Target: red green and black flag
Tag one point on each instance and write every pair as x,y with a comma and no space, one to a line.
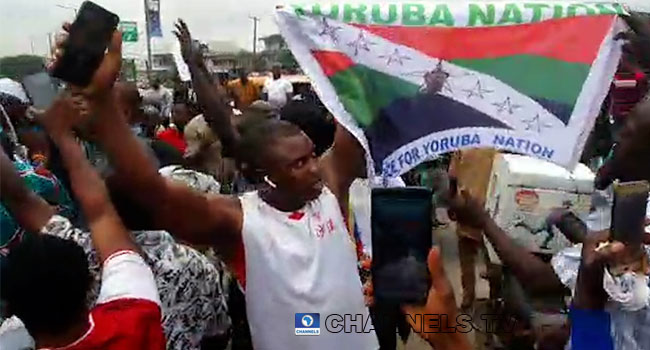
414,80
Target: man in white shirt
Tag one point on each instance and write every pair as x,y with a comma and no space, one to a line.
277,90
160,97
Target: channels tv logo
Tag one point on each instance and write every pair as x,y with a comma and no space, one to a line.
307,323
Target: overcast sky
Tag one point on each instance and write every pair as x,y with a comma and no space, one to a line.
24,22
27,21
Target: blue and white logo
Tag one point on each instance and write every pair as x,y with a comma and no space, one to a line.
307,324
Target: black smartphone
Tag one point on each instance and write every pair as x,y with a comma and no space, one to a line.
41,88
401,240
90,34
629,211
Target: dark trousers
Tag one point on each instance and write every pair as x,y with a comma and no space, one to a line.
388,321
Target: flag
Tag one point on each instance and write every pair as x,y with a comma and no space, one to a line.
153,18
414,80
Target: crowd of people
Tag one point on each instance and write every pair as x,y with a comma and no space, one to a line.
158,221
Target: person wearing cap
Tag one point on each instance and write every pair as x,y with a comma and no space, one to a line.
277,90
203,151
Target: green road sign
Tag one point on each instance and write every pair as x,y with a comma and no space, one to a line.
129,31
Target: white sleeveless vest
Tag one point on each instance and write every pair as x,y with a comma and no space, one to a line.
303,264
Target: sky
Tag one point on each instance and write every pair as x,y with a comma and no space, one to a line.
26,23
29,21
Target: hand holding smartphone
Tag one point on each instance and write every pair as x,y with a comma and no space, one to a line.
629,212
401,240
83,52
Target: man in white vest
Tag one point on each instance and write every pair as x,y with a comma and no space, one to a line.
287,243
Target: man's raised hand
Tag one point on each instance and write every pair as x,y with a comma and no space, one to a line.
105,76
190,53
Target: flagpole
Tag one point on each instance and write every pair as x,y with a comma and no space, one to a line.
148,37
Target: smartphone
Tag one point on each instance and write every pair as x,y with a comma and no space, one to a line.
41,88
629,211
90,34
401,240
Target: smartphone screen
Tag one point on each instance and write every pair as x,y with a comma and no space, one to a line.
401,240
629,211
41,88
90,34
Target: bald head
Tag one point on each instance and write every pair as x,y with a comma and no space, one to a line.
129,101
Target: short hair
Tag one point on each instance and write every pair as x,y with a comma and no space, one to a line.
256,135
129,94
45,280
313,121
166,153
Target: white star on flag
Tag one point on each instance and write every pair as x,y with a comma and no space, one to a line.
329,30
477,90
395,57
536,124
360,46
506,105
360,43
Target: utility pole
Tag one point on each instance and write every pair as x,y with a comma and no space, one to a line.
255,20
49,46
148,38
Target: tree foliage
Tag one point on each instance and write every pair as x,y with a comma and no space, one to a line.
16,67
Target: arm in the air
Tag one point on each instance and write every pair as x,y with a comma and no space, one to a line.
215,110
533,274
343,163
187,214
108,233
213,101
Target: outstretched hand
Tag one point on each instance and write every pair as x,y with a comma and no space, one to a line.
105,76
440,301
190,52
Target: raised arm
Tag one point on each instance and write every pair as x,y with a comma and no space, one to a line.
30,211
533,274
108,233
342,163
189,215
213,101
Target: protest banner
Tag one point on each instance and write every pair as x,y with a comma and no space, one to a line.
414,80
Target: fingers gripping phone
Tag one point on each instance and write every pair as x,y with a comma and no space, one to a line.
629,211
84,50
401,240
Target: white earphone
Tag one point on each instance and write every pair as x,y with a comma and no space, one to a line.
269,182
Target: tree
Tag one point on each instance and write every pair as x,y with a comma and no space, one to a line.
17,67
285,57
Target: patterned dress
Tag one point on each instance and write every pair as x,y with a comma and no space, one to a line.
43,183
190,286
